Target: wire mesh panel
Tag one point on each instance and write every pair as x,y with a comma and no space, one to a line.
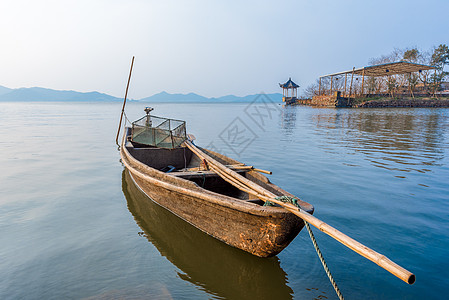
159,132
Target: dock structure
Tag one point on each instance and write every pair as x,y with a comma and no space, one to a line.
342,88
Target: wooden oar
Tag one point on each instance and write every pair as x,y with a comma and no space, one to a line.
249,168
236,167
252,188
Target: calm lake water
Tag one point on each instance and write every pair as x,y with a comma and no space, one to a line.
73,226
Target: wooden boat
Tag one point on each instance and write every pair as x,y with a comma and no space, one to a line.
201,260
177,179
227,202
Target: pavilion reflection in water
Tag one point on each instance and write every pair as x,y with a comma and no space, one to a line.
206,262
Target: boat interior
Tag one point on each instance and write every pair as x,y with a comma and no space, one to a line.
183,163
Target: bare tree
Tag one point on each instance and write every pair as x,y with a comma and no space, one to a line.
311,90
388,83
412,55
371,84
392,85
424,76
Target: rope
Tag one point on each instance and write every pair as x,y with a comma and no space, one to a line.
294,201
126,118
323,262
185,159
286,199
124,125
264,195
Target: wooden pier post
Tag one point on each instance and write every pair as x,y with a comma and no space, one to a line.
363,81
319,88
346,76
332,81
352,78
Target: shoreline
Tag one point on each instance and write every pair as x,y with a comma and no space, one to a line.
417,102
336,101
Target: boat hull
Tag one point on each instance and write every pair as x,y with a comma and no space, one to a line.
260,230
201,259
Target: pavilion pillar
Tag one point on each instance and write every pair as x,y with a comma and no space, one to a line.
363,80
410,86
352,78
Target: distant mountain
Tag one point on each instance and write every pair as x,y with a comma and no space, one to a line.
37,94
192,97
166,97
275,97
4,90
42,94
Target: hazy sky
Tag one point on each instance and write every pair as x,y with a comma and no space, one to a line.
212,48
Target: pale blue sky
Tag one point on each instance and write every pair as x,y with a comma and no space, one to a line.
212,48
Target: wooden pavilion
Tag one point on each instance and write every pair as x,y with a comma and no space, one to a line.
292,87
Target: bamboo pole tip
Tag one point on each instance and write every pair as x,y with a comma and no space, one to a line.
411,279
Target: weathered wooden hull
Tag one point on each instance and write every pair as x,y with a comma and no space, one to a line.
259,230
202,260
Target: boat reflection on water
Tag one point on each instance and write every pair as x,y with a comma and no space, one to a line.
211,265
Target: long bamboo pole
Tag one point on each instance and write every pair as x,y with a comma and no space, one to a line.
265,195
124,102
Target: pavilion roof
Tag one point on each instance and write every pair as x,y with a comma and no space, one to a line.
394,68
289,84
